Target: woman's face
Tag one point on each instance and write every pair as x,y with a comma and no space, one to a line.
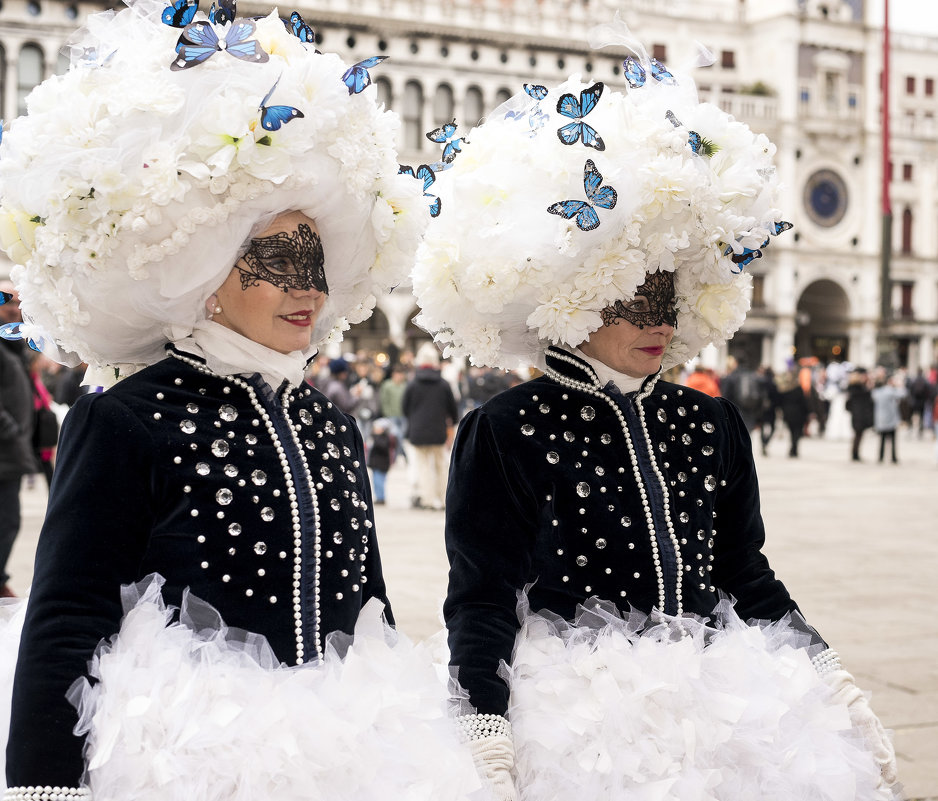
635,333
277,289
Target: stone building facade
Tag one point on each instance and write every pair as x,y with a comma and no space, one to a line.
804,72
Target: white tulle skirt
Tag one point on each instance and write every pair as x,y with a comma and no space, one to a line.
604,708
192,711
626,709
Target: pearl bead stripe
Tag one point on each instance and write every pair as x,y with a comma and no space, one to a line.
294,505
298,534
46,793
827,662
595,390
478,727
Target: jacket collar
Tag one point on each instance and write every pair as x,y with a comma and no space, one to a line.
572,371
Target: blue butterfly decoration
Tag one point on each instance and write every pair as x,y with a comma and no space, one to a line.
569,106
12,332
444,136
300,29
356,77
750,254
222,12
5,297
198,42
426,174
536,118
180,13
1,131
273,117
636,75
597,195
693,138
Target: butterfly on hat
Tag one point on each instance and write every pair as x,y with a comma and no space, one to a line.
198,42
749,254
604,197
426,174
700,145
446,135
536,117
580,131
181,12
14,331
357,78
274,117
637,75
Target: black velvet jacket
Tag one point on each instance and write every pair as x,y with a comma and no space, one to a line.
648,499
259,503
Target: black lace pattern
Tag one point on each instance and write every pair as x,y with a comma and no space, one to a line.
652,305
293,260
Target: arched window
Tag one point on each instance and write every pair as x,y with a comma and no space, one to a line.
907,230
413,116
473,107
443,105
29,74
383,87
502,95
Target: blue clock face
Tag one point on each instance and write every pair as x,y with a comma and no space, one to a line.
825,198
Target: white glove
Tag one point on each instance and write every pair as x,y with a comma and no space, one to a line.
494,757
865,721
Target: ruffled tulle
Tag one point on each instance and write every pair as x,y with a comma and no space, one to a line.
631,708
12,614
194,711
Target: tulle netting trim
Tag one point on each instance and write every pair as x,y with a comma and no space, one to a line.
637,708
197,711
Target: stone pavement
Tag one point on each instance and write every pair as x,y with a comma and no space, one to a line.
856,544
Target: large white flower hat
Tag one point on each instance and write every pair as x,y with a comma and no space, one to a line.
129,188
561,201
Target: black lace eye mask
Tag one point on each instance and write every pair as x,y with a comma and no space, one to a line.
292,260
652,305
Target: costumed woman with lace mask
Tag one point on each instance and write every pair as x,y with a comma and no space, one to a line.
602,235
194,208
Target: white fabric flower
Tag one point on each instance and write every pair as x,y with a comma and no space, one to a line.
497,260
128,189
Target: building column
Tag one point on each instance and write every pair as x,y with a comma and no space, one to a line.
783,343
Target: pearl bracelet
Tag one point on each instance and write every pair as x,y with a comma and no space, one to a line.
46,793
827,662
478,727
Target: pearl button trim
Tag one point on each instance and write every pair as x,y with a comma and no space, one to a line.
294,505
595,389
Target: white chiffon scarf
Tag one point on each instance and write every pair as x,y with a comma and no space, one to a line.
226,352
625,383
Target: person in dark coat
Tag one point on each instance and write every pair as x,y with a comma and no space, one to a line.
208,475
17,418
430,411
595,512
745,389
859,406
795,408
768,414
382,446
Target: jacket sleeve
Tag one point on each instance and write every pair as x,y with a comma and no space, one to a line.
740,568
97,525
490,536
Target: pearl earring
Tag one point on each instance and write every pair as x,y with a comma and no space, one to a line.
217,309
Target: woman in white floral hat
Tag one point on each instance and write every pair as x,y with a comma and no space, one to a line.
597,517
194,208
